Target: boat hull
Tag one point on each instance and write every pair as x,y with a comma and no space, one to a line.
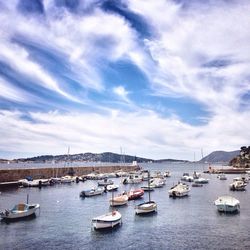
19,214
145,208
227,208
107,221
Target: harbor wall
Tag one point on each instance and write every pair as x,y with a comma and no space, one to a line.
7,175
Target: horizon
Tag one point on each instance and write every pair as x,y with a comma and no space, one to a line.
95,75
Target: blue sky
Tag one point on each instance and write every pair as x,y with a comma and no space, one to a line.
161,79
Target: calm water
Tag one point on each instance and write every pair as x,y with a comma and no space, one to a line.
188,223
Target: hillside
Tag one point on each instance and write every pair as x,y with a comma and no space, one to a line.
84,157
220,157
242,160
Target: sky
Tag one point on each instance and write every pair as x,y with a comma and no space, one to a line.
157,78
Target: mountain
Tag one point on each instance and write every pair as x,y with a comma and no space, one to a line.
242,160
84,157
220,157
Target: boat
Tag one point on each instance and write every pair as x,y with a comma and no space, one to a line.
105,182
179,190
238,186
157,182
132,179
111,219
222,177
187,177
146,207
201,180
107,221
167,174
227,204
135,194
243,178
66,179
20,210
112,187
92,192
119,200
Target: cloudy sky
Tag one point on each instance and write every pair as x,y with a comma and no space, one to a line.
159,78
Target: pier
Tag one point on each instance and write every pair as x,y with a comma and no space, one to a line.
13,175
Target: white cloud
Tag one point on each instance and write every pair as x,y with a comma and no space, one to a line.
121,92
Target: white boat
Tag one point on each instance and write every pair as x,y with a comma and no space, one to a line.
132,179
227,204
167,174
92,192
20,210
119,200
179,190
201,180
238,186
187,177
146,207
243,178
108,220
66,179
157,182
112,187
105,182
222,177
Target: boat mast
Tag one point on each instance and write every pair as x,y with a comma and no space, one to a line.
149,198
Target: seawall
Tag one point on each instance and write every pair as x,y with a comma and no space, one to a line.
7,175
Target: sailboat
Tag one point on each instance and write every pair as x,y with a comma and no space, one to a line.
149,206
20,210
108,220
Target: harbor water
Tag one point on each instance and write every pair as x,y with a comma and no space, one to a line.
64,220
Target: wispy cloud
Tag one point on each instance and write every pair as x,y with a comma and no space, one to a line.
69,57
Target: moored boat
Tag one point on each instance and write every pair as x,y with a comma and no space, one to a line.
105,182
92,192
227,204
179,190
238,186
112,187
119,200
135,194
222,177
146,207
20,210
108,220
201,180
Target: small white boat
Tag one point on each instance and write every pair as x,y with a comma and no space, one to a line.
105,182
157,182
238,186
132,179
92,192
146,207
187,177
227,204
149,206
20,210
201,180
119,200
167,174
66,179
222,177
108,220
179,190
112,187
243,178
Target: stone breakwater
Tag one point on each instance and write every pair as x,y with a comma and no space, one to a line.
8,175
